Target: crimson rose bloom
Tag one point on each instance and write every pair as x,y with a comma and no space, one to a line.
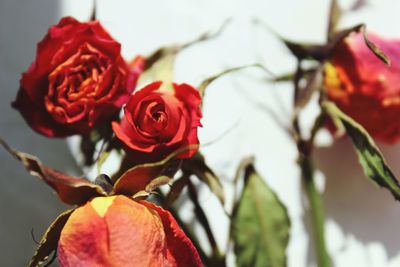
118,231
364,87
77,80
159,121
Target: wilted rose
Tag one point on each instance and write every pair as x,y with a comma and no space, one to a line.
109,226
159,121
77,80
364,87
118,231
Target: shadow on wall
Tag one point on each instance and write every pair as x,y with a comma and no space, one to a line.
358,206
25,203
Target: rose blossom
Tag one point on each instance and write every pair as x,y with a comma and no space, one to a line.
364,87
159,121
77,80
117,231
109,224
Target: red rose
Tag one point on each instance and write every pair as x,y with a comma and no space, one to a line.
158,121
77,80
117,231
364,87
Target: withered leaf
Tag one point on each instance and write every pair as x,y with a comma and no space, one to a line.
176,190
157,182
137,178
334,16
49,241
160,64
339,36
313,83
205,83
71,190
197,166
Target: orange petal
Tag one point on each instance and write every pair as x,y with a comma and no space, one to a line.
113,231
181,250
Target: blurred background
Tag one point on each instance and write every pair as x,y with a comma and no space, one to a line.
246,111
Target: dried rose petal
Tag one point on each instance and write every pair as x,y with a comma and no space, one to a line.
118,231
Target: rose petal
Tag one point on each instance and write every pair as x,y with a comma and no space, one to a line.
158,122
364,87
77,81
181,249
113,231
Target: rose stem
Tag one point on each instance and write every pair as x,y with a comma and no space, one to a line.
217,259
305,162
316,209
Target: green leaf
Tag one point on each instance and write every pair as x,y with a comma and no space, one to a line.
369,156
260,225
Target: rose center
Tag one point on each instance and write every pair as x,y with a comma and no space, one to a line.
158,116
73,83
152,118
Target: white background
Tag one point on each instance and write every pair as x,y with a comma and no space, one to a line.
362,220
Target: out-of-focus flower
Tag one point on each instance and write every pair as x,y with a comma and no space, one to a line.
118,231
77,80
364,87
159,120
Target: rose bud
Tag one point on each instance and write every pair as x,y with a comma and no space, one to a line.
159,121
118,231
364,87
77,80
